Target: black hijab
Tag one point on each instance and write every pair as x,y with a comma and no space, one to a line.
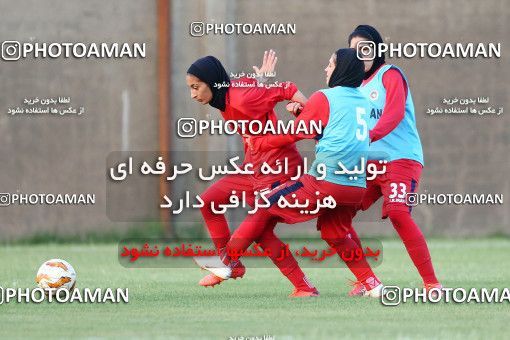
210,71
349,70
368,32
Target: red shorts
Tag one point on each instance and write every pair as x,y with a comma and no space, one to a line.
313,190
395,185
221,191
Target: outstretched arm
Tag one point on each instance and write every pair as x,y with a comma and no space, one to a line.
316,109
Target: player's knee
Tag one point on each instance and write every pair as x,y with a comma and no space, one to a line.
325,234
402,220
207,196
333,236
267,235
206,208
397,216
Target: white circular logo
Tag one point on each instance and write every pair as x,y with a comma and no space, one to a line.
374,95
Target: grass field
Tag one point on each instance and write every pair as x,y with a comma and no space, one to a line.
168,303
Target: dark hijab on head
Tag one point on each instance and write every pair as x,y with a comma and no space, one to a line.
349,70
367,32
210,71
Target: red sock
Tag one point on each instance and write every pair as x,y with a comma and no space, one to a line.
260,227
285,261
251,229
217,226
361,269
338,239
415,243
354,236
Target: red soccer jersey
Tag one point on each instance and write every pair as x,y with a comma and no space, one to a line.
316,109
251,103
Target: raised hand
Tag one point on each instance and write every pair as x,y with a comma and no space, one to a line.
268,64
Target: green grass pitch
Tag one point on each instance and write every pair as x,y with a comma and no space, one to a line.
167,303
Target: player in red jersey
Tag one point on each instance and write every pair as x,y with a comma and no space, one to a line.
241,99
343,139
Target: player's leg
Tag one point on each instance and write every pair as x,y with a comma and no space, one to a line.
334,226
353,235
288,265
286,262
416,245
304,189
402,179
219,193
256,227
220,233
372,194
252,228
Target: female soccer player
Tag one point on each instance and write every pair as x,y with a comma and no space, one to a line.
341,109
394,137
241,100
